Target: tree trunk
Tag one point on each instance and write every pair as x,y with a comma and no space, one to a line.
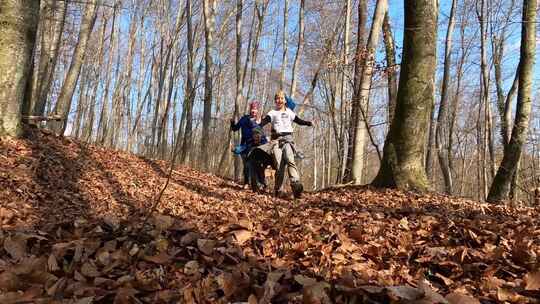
364,89
391,69
238,64
209,21
299,48
402,165
441,131
285,45
358,67
50,48
63,104
500,187
190,89
344,98
19,19
103,125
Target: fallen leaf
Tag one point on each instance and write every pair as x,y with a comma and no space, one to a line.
206,246
532,281
89,270
191,268
242,236
15,246
162,258
458,298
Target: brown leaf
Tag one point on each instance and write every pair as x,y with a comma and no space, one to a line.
189,238
86,300
532,281
405,293
162,258
458,298
242,236
10,281
316,294
504,294
191,268
90,270
304,281
52,264
57,287
125,296
162,222
206,246
15,246
271,287
227,284
252,299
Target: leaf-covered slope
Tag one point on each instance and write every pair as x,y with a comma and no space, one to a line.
71,219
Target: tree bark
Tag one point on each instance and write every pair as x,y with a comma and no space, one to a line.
50,48
362,94
358,67
19,20
285,45
65,97
299,48
190,89
441,131
209,21
391,67
500,187
402,165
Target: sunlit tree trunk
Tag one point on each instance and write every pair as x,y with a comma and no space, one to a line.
209,21
49,49
441,131
365,88
358,67
190,88
63,103
285,44
500,187
402,165
391,70
299,48
19,19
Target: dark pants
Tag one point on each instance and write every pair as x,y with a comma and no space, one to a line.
257,162
245,168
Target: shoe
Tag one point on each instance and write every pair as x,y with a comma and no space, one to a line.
297,189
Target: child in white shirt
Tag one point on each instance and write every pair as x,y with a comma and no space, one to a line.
283,147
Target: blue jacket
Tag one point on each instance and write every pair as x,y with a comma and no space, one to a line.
246,125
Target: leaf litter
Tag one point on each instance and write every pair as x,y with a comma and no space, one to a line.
71,217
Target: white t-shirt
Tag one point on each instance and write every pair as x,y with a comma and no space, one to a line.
282,120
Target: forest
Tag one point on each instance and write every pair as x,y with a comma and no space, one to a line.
415,165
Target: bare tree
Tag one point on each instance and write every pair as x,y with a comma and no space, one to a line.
402,165
500,187
209,23
285,44
299,47
358,67
63,103
17,38
364,89
441,131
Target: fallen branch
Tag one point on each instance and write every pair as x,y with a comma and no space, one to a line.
43,118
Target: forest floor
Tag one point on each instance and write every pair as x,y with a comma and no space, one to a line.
72,232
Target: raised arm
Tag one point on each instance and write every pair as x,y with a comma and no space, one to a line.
266,120
302,122
235,126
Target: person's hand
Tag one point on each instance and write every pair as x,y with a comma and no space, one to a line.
310,124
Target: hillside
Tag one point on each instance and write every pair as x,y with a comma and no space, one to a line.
72,232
